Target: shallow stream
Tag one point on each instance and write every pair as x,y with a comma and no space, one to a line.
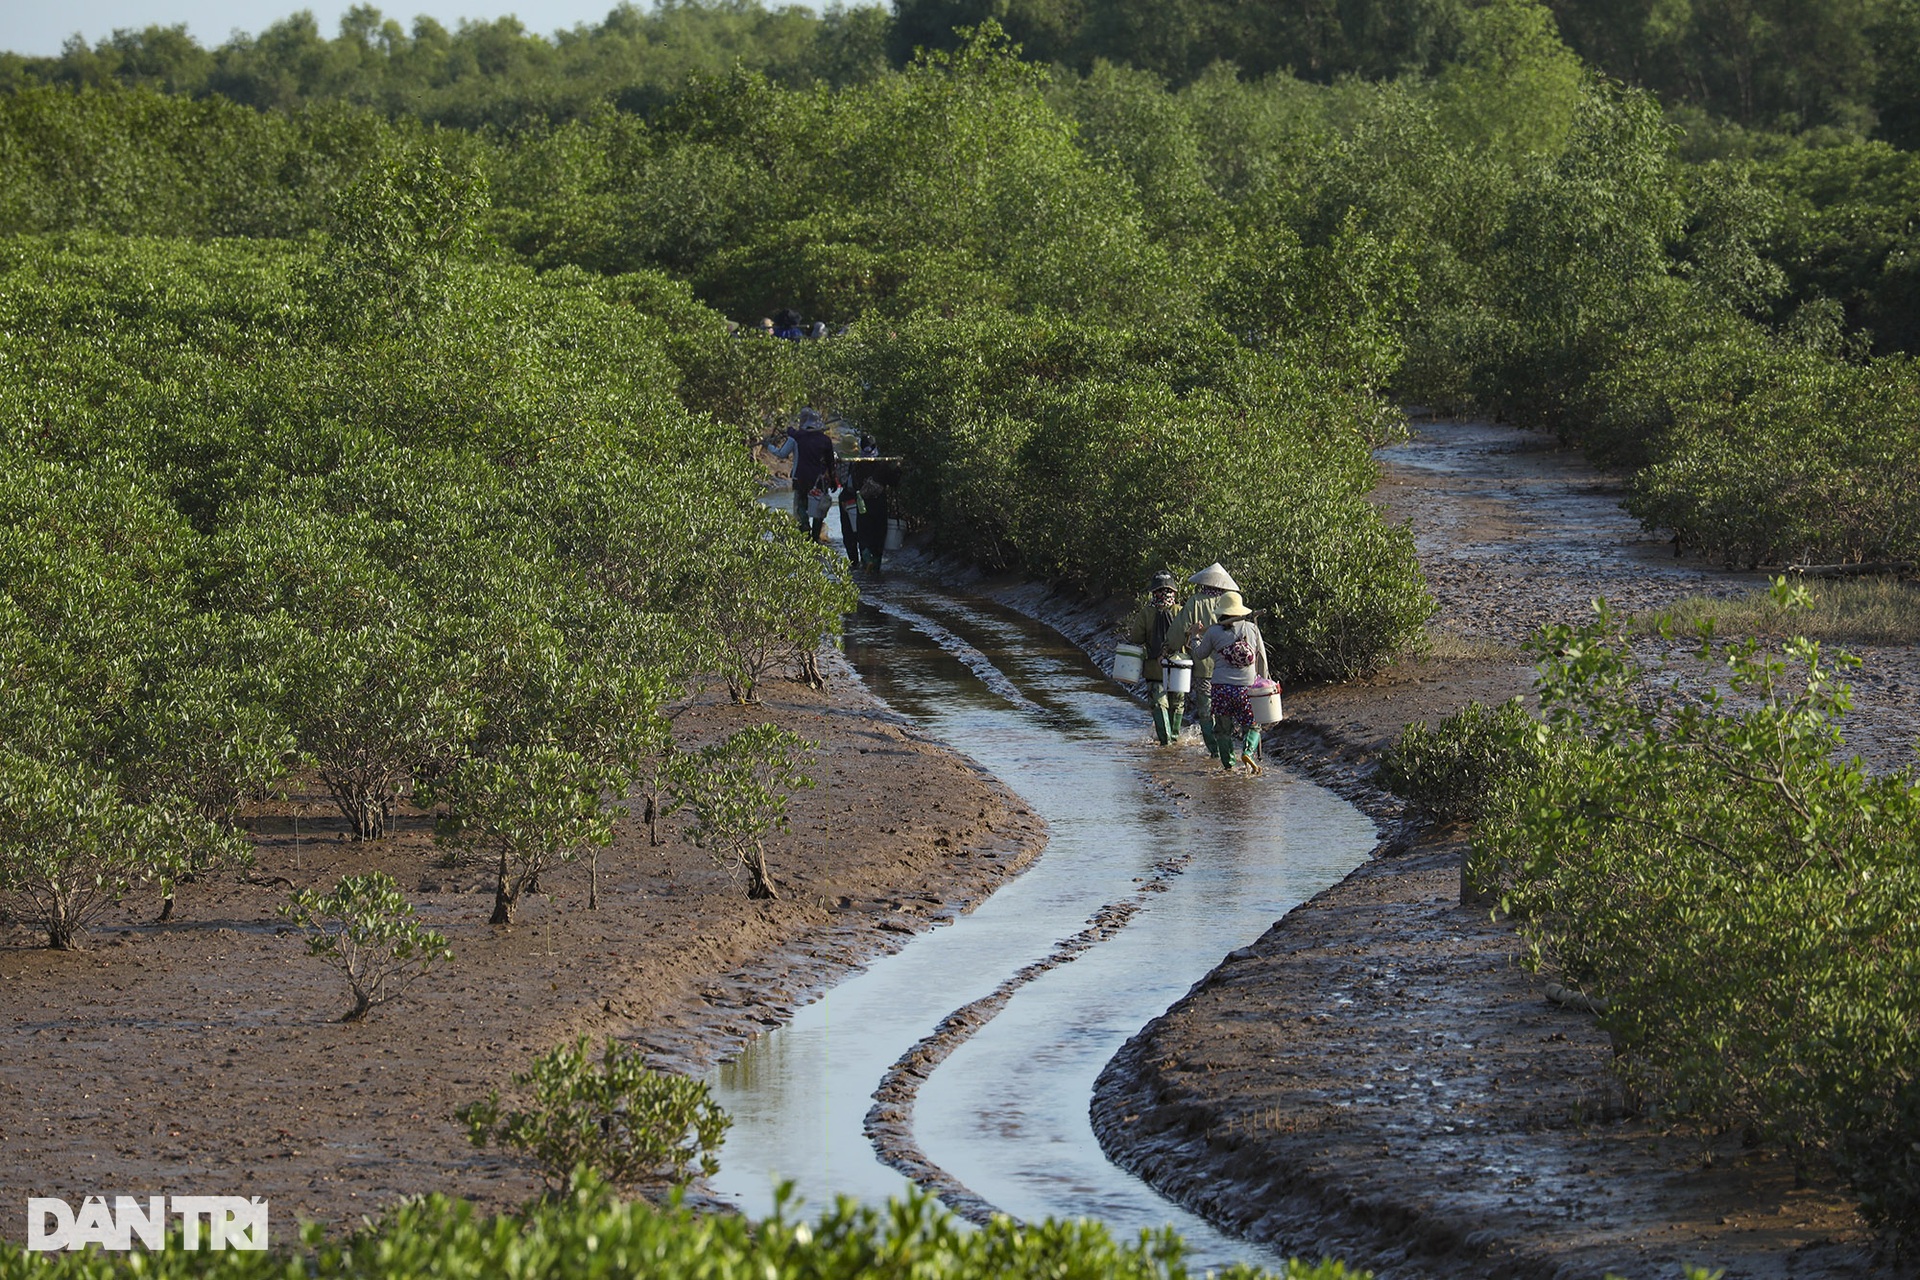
1196,864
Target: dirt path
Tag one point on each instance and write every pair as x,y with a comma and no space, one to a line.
200,1058
1377,1079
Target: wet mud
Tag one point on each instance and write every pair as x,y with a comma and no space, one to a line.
1380,1078
202,1056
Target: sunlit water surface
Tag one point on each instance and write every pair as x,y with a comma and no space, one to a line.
1006,1114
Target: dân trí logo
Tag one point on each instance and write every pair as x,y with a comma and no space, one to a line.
229,1222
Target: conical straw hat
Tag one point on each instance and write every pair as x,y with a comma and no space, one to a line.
1215,575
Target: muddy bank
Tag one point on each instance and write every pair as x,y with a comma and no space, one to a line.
201,1056
1378,1078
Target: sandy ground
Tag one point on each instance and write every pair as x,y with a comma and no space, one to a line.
201,1057
1378,1078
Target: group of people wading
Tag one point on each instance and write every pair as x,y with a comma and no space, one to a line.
825,482
1214,631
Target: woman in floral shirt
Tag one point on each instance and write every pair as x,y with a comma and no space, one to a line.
1239,669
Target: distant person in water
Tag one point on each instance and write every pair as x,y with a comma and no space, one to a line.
1155,627
1239,656
877,500
1210,585
849,502
811,449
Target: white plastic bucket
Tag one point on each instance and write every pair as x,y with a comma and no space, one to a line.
1178,673
1127,659
1266,705
896,534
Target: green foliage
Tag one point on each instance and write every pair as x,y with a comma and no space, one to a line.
464,539
1512,86
1093,456
72,845
1453,770
524,811
590,1233
736,792
1847,234
138,162
1583,252
1872,609
483,74
1774,62
396,232
619,1122
1774,454
1704,857
367,930
773,619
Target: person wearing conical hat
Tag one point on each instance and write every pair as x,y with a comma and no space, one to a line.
1155,627
1199,613
1239,656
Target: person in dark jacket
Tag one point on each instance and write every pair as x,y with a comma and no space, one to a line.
811,449
873,521
1155,627
848,500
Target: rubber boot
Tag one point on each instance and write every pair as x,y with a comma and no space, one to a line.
1176,715
1161,733
1250,751
1206,735
1227,743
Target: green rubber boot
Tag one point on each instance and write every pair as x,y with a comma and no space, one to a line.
1161,733
1206,734
1227,743
1250,751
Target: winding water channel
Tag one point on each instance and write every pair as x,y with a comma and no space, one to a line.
1196,863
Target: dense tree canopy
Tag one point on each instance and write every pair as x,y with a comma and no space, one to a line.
373,410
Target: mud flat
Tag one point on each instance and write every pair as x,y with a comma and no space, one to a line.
200,1057
1377,1078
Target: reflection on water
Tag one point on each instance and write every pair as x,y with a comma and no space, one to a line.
1007,1113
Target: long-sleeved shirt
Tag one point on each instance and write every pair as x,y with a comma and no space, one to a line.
812,454
1143,630
1202,610
1239,653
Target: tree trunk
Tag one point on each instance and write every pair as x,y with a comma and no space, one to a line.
61,933
166,908
762,887
593,881
360,1006
503,898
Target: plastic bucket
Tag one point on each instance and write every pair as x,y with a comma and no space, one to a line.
1178,673
1266,705
896,534
1127,659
